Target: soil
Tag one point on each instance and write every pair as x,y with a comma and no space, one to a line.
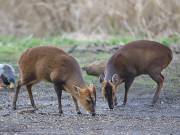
136,118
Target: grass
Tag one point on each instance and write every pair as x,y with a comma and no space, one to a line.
12,47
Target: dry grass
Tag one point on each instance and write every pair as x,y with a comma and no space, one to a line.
51,17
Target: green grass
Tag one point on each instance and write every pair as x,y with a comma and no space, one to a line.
12,47
90,79
170,40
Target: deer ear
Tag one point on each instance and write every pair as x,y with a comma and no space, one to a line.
115,79
77,89
93,91
101,78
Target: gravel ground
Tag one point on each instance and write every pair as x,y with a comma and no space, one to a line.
136,118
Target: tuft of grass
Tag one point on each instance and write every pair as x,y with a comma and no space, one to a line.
170,40
90,79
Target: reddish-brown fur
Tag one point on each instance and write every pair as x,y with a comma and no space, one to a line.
54,65
134,59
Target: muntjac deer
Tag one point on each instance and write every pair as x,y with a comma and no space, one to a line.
131,60
55,66
95,68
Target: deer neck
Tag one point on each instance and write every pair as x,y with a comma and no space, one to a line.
76,82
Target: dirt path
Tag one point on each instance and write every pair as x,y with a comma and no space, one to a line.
138,117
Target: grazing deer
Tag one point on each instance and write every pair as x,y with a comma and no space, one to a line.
95,69
55,66
131,60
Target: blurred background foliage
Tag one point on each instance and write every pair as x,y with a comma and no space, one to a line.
40,18
67,23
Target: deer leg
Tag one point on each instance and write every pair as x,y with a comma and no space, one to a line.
128,84
30,95
16,95
58,89
76,105
159,79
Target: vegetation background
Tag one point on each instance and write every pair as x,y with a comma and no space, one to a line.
150,18
86,23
